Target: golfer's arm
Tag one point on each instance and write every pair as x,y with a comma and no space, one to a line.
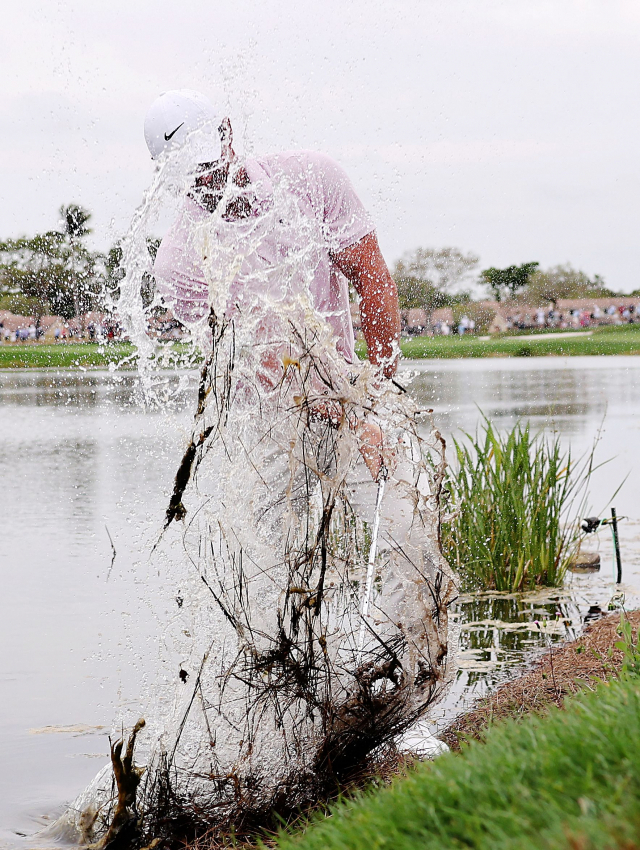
364,266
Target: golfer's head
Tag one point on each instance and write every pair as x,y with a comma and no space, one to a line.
184,119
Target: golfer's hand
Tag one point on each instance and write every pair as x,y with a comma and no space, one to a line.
371,447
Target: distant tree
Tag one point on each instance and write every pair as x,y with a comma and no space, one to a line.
507,283
54,270
82,278
114,271
564,281
21,305
75,220
431,278
481,314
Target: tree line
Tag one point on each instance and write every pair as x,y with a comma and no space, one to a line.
432,278
56,273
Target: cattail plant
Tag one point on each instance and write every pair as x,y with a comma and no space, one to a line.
517,500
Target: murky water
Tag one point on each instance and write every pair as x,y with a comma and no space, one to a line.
84,466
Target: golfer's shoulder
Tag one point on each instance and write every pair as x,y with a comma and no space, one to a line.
307,166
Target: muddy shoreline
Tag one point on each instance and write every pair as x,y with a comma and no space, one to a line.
562,671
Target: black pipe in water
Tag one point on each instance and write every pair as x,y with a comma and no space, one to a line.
616,543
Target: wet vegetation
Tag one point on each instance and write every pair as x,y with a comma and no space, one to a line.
516,501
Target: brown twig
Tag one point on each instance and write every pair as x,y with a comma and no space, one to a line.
127,777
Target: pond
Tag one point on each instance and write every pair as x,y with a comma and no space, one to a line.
87,472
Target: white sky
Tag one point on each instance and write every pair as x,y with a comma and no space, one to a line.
508,128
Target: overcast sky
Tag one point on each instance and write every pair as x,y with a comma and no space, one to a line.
510,129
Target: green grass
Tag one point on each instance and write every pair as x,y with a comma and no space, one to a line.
623,339
609,340
569,779
90,355
61,355
517,505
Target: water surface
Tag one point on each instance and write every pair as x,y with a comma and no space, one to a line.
84,465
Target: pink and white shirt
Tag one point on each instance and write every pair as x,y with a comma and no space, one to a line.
308,209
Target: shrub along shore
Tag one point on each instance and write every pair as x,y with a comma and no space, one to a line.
517,500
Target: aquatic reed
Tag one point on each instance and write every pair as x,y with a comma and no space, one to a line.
517,499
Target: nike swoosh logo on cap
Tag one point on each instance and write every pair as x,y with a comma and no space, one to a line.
171,135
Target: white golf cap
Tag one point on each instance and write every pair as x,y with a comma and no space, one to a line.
174,117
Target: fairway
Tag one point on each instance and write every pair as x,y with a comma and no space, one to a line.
609,340
623,339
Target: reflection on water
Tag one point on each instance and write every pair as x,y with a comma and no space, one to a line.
501,633
496,631
570,394
79,455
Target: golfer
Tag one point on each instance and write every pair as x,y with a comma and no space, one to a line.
299,652
323,195
268,232
293,479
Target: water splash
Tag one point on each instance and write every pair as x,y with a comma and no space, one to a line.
272,700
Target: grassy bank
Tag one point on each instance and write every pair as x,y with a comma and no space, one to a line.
62,355
568,779
624,339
